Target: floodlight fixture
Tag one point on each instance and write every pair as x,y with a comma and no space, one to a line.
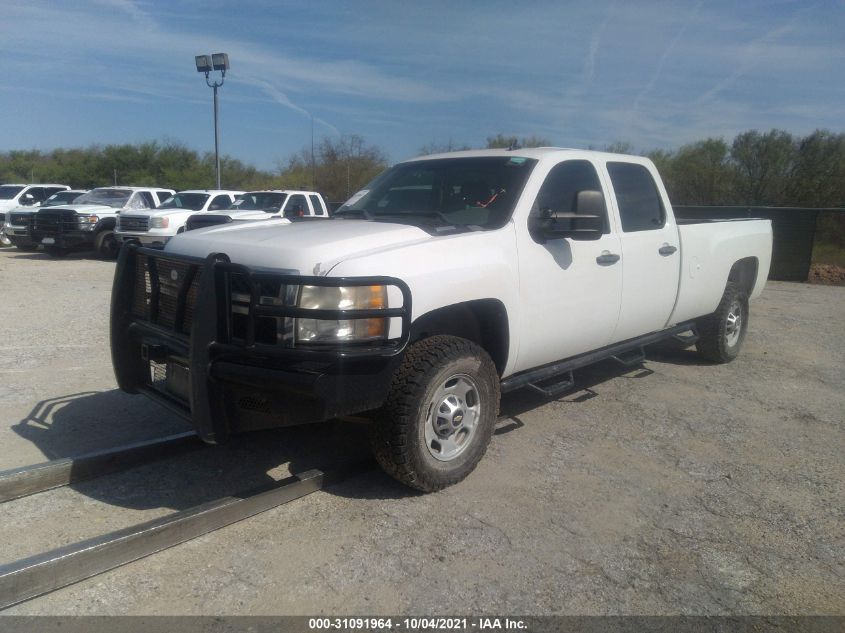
220,61
204,63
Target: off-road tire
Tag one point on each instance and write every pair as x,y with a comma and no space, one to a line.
398,430
106,244
717,340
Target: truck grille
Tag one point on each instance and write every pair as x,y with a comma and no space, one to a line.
136,223
165,292
56,222
21,219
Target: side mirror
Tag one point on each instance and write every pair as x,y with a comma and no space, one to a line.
586,223
26,199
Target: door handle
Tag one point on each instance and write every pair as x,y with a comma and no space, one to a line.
607,258
666,249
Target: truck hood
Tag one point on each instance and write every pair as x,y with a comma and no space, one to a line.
8,205
310,247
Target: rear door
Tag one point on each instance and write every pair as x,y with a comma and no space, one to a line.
650,250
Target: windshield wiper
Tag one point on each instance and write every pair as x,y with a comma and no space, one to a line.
364,214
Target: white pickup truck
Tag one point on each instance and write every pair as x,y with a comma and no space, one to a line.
154,227
265,205
90,221
446,281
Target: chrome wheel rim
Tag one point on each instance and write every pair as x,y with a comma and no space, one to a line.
733,324
452,417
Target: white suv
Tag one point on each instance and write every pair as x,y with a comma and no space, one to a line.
155,227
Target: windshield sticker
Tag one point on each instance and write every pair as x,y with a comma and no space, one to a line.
516,160
356,197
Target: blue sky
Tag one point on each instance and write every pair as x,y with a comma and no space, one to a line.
405,74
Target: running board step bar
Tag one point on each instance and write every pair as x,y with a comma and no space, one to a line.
43,573
29,480
628,353
554,390
631,358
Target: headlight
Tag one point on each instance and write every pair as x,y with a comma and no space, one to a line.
87,221
159,223
342,298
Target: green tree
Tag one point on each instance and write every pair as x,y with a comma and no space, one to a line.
440,148
764,164
818,177
500,141
702,173
338,168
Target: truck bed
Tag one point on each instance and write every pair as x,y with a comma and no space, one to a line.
709,249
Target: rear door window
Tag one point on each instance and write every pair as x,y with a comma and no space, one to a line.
315,202
640,206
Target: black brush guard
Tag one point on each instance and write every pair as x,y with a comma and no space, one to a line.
327,381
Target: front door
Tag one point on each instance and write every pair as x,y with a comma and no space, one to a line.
569,289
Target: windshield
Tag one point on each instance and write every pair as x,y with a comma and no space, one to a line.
190,201
63,197
115,198
478,193
7,192
268,201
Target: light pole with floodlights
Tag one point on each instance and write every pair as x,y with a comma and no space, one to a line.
205,64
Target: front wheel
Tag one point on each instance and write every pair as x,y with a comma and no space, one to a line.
107,245
440,413
721,334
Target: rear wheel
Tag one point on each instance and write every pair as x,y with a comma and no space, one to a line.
436,424
721,334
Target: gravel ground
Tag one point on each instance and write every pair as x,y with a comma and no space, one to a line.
675,487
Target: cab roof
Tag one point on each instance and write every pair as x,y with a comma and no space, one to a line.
532,152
